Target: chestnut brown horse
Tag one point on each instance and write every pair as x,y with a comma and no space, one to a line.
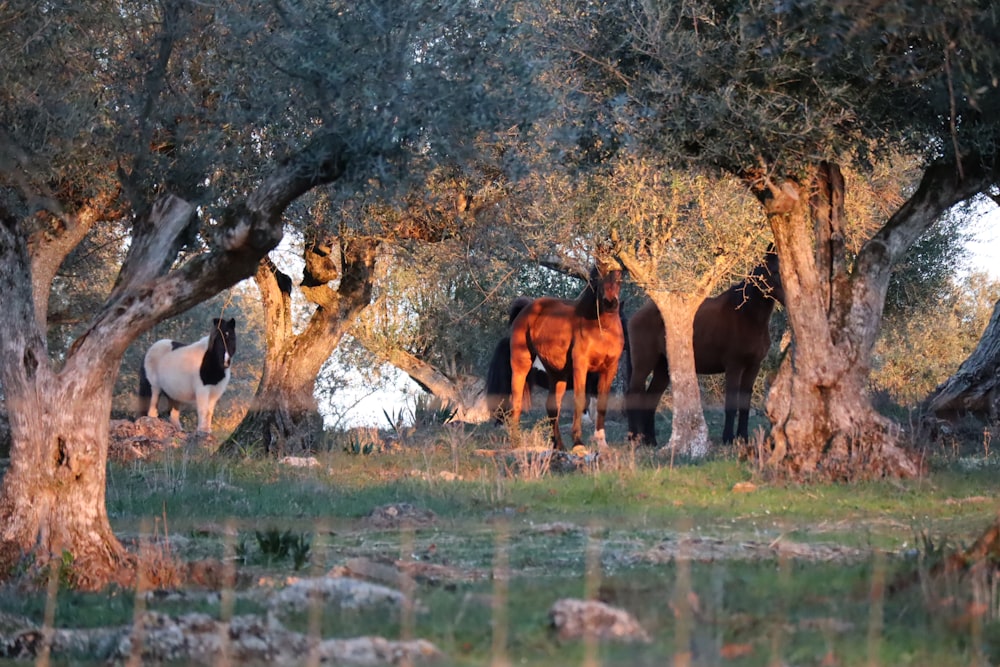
571,339
730,336
499,376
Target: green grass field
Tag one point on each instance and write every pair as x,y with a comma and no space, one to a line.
719,566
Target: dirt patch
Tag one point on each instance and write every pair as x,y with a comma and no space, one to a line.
707,549
142,438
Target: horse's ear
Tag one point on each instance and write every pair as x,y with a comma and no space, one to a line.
604,265
215,322
231,323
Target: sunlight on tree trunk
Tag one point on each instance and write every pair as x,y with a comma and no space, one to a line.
52,502
689,432
823,422
285,417
975,386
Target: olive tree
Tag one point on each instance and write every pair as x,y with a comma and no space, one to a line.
195,126
681,236
787,97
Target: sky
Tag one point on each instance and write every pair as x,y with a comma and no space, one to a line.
985,246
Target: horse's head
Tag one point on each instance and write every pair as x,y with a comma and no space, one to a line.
606,285
222,340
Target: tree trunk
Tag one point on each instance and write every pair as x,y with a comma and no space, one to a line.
463,394
52,500
689,432
285,417
975,386
822,421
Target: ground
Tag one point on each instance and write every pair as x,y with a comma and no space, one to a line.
446,547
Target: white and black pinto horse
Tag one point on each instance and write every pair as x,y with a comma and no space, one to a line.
188,374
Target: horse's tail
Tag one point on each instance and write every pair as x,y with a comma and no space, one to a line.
145,392
516,306
499,376
626,350
499,379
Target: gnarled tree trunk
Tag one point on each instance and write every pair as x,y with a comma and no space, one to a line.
975,386
689,432
823,423
285,417
52,501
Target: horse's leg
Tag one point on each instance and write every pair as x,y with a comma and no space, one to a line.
498,382
553,405
520,365
154,400
636,396
734,375
580,367
603,390
204,403
175,415
651,400
743,403
206,413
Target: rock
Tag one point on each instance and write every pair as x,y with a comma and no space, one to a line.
299,461
400,514
382,573
576,619
344,592
199,639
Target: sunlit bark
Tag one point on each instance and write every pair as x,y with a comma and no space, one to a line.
823,422
285,416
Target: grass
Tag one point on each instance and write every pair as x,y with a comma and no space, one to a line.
783,574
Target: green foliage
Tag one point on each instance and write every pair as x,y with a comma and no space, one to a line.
363,441
921,346
743,85
926,274
63,571
276,546
430,410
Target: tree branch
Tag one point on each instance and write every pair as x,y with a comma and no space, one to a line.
144,297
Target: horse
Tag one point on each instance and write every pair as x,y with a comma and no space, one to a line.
197,373
571,339
499,376
730,336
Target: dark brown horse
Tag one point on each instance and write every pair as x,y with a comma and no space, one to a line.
571,339
730,336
